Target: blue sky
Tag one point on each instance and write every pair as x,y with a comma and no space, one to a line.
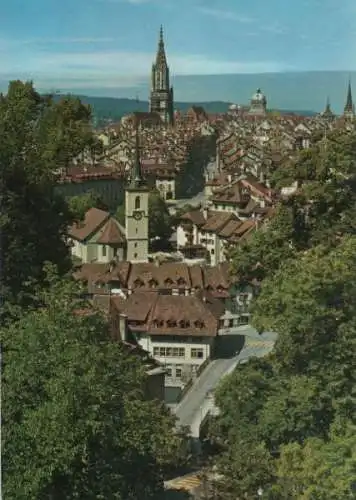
111,43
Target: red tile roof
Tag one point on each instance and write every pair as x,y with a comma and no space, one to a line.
93,220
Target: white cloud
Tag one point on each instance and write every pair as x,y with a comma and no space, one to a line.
225,14
132,64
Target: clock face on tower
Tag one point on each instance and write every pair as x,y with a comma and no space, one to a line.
137,215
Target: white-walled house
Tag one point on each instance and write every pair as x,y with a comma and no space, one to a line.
98,238
179,331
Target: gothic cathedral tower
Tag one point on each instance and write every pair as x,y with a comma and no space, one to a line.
161,100
136,210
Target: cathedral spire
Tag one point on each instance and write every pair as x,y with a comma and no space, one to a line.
161,53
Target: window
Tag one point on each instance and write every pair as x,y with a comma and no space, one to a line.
212,251
137,203
243,297
135,255
135,245
103,250
197,353
169,371
169,352
178,352
115,252
178,372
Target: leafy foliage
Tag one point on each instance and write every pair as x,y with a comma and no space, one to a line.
75,421
80,204
38,136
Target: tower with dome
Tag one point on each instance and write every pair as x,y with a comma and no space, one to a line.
258,104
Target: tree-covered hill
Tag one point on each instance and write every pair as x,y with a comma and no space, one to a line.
107,109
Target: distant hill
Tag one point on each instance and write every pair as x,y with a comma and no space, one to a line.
106,109
305,90
111,108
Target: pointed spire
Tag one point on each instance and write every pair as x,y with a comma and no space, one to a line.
327,113
136,177
161,53
349,106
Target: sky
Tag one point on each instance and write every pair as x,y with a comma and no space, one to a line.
111,43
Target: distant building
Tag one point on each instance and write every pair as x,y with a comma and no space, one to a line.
161,99
327,113
258,104
349,109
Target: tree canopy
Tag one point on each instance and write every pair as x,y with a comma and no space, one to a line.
38,138
80,204
75,423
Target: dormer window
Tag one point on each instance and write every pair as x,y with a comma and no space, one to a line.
184,323
209,288
171,323
168,281
181,282
153,283
137,203
198,323
138,283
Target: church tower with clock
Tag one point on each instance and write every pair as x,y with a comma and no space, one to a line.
136,210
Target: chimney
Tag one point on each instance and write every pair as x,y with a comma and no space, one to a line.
229,178
205,213
123,327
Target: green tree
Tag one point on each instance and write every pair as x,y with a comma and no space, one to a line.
242,470
318,470
307,302
75,423
80,204
160,220
34,218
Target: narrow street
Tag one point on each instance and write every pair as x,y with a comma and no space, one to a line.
200,197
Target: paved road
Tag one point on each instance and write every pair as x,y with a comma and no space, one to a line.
200,197
192,409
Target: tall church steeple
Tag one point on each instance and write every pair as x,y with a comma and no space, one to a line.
161,100
349,109
327,113
136,209
136,174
